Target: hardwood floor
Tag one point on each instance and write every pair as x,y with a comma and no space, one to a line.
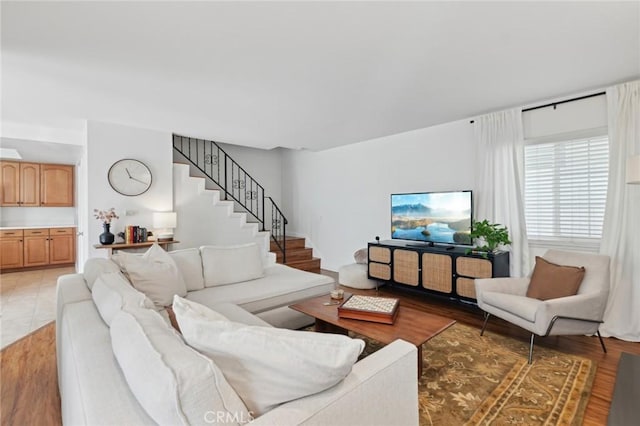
29,389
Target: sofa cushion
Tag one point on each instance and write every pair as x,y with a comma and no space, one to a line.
281,286
189,264
551,281
174,384
231,264
156,275
93,390
520,306
97,266
267,366
112,292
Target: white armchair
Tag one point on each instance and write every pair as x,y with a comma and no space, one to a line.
580,314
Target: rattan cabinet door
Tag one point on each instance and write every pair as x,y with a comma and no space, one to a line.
406,267
437,272
472,268
379,263
380,254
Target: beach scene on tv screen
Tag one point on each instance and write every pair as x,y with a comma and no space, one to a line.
440,217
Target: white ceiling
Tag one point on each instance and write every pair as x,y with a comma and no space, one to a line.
304,74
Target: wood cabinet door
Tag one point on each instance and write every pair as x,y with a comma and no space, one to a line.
29,184
36,250
62,248
56,185
9,183
11,255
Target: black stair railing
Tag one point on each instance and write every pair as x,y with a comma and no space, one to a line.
235,183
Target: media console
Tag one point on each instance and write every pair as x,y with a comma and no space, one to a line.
443,270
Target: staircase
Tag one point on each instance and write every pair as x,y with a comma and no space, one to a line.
238,201
298,255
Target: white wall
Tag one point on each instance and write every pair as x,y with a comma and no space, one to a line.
36,216
108,143
265,166
578,116
340,198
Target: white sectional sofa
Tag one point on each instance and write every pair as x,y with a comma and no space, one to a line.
381,389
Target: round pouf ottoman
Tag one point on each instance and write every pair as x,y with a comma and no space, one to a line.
355,276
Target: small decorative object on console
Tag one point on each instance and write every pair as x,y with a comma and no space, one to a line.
106,216
370,308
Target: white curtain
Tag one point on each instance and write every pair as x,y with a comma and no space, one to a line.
499,192
621,231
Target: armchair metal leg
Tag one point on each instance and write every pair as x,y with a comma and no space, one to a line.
601,342
531,349
486,318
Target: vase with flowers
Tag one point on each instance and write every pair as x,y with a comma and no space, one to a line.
106,216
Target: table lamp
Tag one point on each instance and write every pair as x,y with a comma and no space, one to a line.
163,223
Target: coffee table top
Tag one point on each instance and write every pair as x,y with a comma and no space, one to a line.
411,325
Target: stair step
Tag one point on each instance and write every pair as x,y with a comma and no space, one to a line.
310,265
295,254
291,243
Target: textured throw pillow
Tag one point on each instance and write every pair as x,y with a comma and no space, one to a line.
155,274
267,366
231,264
97,266
189,264
111,293
361,256
551,281
172,382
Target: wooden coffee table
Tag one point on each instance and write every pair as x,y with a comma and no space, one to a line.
414,326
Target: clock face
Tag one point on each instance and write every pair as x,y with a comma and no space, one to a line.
129,177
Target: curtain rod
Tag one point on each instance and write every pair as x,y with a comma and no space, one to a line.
555,104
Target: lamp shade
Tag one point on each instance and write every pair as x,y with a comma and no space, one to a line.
165,220
633,169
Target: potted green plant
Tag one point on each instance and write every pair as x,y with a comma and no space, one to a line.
489,236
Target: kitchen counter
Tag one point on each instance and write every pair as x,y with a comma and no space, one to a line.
8,228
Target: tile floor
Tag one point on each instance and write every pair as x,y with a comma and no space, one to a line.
27,301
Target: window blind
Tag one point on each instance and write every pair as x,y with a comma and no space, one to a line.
566,188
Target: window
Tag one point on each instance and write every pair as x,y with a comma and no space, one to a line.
566,189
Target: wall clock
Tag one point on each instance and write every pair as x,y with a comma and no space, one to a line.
129,177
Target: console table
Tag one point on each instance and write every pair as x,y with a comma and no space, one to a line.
441,270
123,246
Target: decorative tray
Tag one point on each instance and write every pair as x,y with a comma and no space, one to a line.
370,308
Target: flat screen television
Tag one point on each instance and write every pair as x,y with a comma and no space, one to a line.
433,217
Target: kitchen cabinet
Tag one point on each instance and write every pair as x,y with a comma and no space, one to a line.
37,247
56,185
62,246
20,184
11,249
35,185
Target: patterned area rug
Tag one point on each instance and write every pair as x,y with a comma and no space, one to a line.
474,380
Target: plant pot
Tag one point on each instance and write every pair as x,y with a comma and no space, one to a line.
106,237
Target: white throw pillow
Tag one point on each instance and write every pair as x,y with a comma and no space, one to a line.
361,256
231,264
95,267
173,383
189,264
111,293
267,366
156,275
